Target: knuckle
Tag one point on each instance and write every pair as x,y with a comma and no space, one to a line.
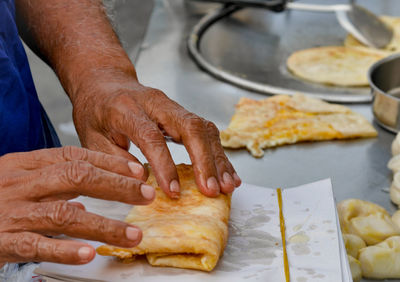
7,157
7,180
156,93
61,214
25,246
221,159
115,103
158,103
119,97
78,173
123,181
149,133
212,128
193,123
152,136
71,153
105,227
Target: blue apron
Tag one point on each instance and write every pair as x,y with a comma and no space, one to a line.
24,125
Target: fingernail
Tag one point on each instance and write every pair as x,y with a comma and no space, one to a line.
132,233
228,180
85,253
148,191
174,186
136,168
212,184
237,179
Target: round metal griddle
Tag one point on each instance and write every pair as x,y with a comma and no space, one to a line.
249,47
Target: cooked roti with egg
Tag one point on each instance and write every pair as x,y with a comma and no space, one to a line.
283,119
334,65
189,232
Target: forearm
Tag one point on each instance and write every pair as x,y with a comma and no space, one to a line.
76,40
110,107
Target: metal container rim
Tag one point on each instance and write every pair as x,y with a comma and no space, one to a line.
373,69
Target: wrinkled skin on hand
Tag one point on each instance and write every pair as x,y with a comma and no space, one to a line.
112,113
34,189
110,106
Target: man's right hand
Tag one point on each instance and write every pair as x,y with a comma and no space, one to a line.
34,189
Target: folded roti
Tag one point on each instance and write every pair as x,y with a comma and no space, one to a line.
190,232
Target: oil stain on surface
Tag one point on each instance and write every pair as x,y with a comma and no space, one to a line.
247,245
300,249
299,237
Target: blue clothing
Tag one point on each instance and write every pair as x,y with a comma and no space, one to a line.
24,125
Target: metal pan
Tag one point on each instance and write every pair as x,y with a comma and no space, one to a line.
384,78
273,5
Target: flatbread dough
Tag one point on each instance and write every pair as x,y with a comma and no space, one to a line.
394,44
355,268
334,65
382,260
190,232
353,244
395,189
394,164
396,145
370,222
396,218
283,119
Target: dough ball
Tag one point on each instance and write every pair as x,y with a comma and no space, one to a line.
395,189
396,218
355,267
382,260
370,222
396,145
353,244
394,164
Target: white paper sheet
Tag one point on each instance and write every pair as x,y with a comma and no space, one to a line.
254,249
311,232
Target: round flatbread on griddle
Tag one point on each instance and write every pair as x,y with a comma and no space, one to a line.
334,65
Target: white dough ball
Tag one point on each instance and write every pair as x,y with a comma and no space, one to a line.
394,164
396,145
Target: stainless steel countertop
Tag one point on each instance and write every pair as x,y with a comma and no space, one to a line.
357,168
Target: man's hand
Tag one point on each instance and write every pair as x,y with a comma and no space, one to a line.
34,189
111,107
130,111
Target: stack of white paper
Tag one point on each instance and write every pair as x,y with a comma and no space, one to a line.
254,250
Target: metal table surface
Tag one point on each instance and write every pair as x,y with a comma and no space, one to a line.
357,168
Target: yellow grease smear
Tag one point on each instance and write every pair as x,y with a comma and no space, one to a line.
283,232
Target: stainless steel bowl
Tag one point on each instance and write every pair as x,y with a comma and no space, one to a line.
384,78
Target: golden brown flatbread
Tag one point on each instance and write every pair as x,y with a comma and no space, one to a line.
334,65
190,232
286,119
394,44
